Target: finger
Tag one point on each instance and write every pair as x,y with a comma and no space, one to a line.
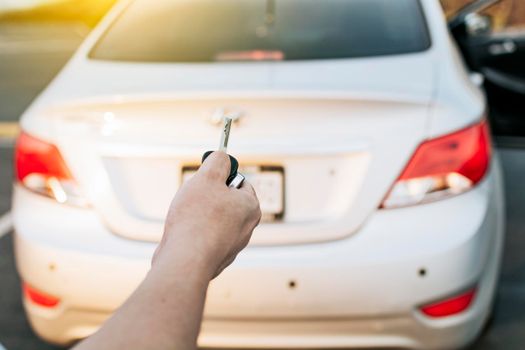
247,187
216,166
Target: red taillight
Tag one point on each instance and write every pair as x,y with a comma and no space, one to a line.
40,167
450,306
465,152
34,156
443,166
38,297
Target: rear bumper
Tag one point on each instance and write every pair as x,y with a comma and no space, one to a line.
362,291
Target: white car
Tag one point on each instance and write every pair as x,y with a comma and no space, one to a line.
356,121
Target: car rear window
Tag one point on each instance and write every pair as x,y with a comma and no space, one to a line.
263,30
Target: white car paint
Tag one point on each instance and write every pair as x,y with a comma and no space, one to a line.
355,267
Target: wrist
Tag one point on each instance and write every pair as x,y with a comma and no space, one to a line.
172,262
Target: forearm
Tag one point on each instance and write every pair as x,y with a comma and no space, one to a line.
207,225
164,312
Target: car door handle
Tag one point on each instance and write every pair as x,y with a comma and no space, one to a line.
505,48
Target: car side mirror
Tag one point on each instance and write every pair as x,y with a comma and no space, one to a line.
478,25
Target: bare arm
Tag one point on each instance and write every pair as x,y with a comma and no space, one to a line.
207,225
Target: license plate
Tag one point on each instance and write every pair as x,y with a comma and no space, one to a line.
268,183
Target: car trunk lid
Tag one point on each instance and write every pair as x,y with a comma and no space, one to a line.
339,154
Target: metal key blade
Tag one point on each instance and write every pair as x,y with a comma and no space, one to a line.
225,134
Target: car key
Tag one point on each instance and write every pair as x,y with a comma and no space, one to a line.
235,179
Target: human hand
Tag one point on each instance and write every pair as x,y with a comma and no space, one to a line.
208,224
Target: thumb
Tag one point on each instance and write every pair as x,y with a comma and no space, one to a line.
216,166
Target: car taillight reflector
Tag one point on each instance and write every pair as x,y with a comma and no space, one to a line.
34,156
38,297
444,166
40,167
450,306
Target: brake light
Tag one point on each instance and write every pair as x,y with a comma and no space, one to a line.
254,55
41,168
450,306
442,167
38,297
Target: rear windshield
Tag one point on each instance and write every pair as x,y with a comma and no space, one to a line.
263,30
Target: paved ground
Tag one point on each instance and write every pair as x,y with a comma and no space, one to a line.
29,58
